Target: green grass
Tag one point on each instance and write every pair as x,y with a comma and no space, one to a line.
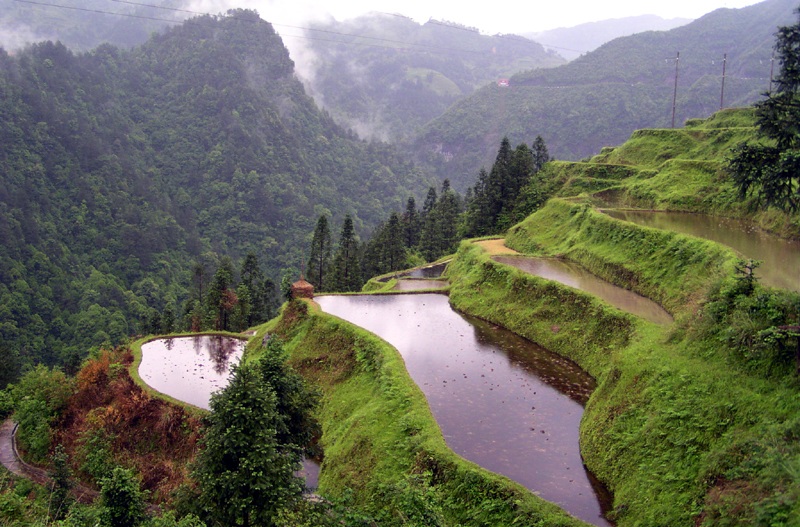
673,169
679,434
675,270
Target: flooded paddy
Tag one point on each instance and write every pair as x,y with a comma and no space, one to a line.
193,367
573,275
780,258
501,401
411,284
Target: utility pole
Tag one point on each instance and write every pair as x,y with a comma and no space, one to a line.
675,91
771,70
722,92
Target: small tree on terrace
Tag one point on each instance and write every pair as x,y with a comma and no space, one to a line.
771,169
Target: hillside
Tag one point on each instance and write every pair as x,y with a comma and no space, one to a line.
572,42
385,76
84,26
600,98
119,168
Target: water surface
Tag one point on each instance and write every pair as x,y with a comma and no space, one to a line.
412,284
500,400
780,258
574,275
190,368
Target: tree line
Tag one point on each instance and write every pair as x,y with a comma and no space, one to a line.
500,197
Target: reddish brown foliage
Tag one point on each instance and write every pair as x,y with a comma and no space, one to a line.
154,437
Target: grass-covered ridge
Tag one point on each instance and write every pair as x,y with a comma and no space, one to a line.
382,445
681,169
672,269
679,430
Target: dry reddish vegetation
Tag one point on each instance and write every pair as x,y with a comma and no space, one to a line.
109,415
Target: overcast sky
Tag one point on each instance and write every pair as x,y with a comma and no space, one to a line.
494,16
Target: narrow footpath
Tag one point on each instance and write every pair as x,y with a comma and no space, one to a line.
11,460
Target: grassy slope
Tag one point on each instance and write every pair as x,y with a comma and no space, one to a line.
382,442
673,429
674,169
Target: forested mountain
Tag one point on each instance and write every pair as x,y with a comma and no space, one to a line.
118,169
82,25
600,98
386,75
571,42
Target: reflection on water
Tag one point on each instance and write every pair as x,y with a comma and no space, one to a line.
500,400
418,284
576,276
781,258
190,368
431,271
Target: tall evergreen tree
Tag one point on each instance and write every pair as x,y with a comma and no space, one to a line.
448,210
221,298
394,248
430,202
261,290
320,258
346,274
411,223
244,473
771,168
540,154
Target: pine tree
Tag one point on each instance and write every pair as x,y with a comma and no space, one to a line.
540,154
411,223
320,258
394,248
244,474
771,169
447,215
261,290
346,274
221,298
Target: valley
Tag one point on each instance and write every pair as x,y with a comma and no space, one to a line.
610,341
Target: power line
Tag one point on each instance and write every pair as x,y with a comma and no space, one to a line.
408,45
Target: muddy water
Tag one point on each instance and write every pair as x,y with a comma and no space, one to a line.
576,276
500,400
418,284
781,258
191,368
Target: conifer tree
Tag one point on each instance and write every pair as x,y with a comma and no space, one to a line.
394,249
346,274
540,154
221,297
771,169
243,472
411,223
320,258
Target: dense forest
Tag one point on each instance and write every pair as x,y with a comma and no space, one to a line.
600,98
122,168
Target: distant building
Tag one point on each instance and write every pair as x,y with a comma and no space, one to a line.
503,83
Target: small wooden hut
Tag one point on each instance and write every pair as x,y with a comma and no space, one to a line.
302,289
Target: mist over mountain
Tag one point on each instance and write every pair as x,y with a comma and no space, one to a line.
385,76
598,99
572,42
84,25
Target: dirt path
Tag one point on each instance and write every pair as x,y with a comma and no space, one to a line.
496,246
11,460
